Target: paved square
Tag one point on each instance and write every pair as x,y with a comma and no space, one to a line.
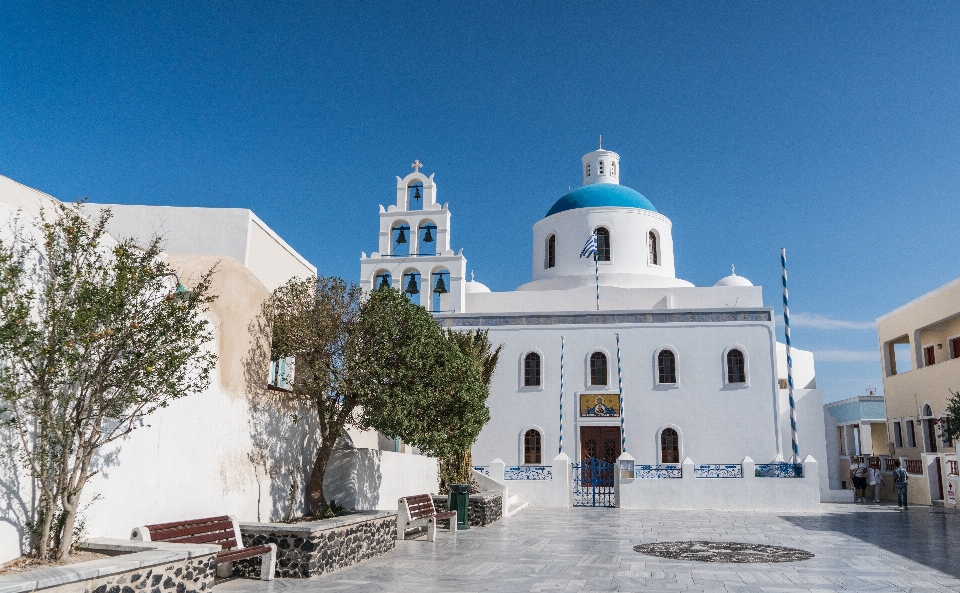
857,548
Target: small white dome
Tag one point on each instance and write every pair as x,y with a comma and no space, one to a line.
733,280
472,286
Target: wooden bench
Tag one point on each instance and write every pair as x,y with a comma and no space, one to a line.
224,530
418,511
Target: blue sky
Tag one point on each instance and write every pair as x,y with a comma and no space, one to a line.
831,129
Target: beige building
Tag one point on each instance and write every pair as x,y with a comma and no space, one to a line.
920,354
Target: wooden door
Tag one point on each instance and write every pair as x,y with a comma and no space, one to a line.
600,442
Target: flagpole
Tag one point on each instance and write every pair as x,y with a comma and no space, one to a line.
596,261
786,332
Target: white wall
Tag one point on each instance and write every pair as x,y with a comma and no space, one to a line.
718,423
370,479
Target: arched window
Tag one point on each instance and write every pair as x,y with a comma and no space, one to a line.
588,169
531,446
552,251
531,370
669,446
666,367
598,368
600,168
736,367
927,411
654,251
603,244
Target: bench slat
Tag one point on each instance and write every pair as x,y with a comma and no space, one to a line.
231,555
196,529
219,519
447,515
226,539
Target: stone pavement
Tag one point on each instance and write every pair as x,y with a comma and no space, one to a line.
856,547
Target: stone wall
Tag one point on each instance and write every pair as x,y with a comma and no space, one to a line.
309,549
484,509
166,570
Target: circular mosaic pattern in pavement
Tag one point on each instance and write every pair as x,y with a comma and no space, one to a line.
703,551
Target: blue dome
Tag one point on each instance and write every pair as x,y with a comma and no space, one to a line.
599,195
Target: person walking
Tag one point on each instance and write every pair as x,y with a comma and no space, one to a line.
875,480
900,481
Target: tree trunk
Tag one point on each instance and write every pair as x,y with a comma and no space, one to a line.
316,501
69,521
47,506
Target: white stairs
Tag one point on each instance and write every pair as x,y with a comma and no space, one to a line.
514,505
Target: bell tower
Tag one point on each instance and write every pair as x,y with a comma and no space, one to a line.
414,254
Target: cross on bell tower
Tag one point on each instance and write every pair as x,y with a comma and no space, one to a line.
416,165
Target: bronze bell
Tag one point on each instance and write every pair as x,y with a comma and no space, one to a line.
401,237
428,238
383,282
440,288
416,193
412,286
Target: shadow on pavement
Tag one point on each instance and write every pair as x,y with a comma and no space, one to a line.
927,535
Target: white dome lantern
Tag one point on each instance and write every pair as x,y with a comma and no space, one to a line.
601,166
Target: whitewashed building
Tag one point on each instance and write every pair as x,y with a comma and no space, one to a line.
615,358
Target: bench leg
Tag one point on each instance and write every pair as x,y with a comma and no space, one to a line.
400,530
268,564
224,569
432,530
453,526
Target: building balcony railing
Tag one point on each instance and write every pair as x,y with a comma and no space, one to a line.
914,466
952,467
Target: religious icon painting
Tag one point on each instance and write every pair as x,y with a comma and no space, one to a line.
594,405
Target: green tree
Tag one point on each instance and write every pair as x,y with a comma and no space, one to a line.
457,468
94,340
312,321
417,384
374,361
953,415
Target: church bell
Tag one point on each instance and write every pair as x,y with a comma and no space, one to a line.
383,282
427,237
412,286
401,237
416,194
440,288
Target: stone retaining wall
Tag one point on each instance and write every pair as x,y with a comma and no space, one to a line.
139,567
309,549
485,508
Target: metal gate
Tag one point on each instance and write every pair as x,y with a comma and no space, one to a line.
593,483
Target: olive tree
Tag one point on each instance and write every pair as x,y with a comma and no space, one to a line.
96,336
373,361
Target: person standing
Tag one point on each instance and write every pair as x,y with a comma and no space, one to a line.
900,481
874,480
858,475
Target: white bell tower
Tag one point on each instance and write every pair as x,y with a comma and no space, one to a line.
414,254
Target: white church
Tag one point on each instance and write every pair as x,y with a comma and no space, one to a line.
616,375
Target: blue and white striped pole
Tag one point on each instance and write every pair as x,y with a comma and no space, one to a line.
623,432
786,331
561,394
596,263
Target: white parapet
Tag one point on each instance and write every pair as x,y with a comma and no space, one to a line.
746,486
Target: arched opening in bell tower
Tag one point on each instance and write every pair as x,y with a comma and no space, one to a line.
415,196
427,243
400,240
440,290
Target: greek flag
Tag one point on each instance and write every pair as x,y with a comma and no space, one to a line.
591,246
